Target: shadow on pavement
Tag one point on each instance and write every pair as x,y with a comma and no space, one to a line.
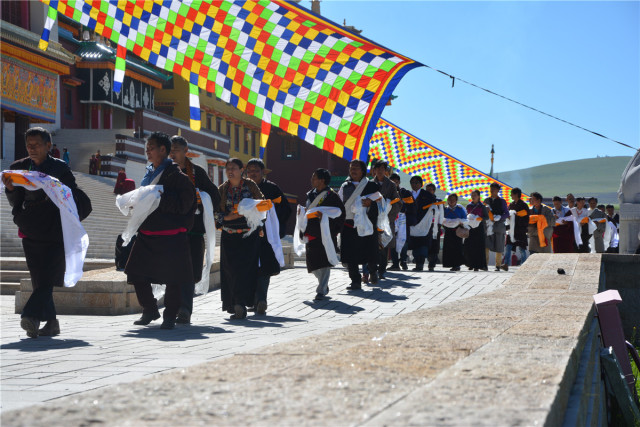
180,333
274,319
377,294
335,305
43,344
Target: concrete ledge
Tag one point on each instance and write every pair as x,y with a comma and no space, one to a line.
510,357
105,292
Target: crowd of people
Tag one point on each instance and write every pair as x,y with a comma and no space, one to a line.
361,225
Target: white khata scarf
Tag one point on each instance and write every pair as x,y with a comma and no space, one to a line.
74,236
325,231
348,205
202,287
360,219
401,230
139,203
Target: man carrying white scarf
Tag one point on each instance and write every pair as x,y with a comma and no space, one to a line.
208,199
318,226
358,248
47,208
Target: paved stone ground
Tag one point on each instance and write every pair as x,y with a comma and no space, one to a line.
95,352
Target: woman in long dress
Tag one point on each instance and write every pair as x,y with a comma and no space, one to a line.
239,245
454,215
474,245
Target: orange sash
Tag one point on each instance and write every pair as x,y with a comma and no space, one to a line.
408,199
394,201
19,179
264,205
521,213
541,224
433,204
277,199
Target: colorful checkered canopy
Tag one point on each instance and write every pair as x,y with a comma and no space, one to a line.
272,59
415,157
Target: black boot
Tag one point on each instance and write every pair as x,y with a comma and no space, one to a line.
147,318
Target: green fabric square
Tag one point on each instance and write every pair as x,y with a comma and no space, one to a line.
344,126
318,141
298,104
354,77
324,51
357,44
308,23
219,90
169,65
358,119
246,81
281,71
273,41
242,66
294,63
140,39
387,65
130,44
206,60
331,134
370,71
339,46
225,6
258,112
286,112
212,74
276,55
308,56
339,83
312,98
253,98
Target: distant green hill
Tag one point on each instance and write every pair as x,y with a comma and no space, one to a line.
599,177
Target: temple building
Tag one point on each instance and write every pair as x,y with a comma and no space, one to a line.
31,79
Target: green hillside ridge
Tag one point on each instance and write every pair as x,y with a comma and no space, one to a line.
599,177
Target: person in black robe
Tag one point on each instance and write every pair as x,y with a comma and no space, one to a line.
419,245
239,246
39,225
399,259
356,250
161,252
474,245
452,255
316,254
434,249
269,265
520,238
200,179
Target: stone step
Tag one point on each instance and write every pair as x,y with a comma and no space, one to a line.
9,288
13,276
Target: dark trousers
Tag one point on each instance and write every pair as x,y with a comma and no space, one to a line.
434,250
396,258
354,271
46,264
262,288
150,304
197,247
383,259
585,236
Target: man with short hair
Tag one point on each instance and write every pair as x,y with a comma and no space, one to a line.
355,249
55,153
420,242
612,216
581,215
498,214
600,220
389,191
571,201
202,183
434,249
541,224
399,259
269,265
521,221
161,252
40,227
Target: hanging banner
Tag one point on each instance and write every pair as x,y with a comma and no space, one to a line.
416,157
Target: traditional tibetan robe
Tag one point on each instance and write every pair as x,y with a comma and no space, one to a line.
316,252
452,255
521,224
239,247
356,249
419,244
474,245
541,222
269,265
599,218
563,236
496,229
582,217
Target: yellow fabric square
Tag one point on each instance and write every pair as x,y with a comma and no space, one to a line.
177,32
273,93
99,28
202,82
137,11
344,98
295,38
338,150
298,79
373,85
235,89
145,53
242,104
330,105
126,20
317,113
350,142
376,51
231,73
148,5
217,28
358,53
263,62
358,92
312,71
304,121
94,12
200,18
62,8
312,34
166,39
293,128
186,74
342,58
188,25
195,67
155,47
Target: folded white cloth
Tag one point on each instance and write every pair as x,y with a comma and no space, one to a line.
473,221
138,203
384,206
327,212
248,209
202,287
74,236
422,228
401,231
272,228
360,219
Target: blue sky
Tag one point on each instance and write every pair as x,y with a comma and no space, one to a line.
576,60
